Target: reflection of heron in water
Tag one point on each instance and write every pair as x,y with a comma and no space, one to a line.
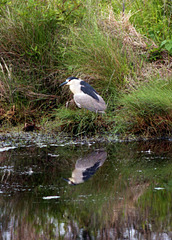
87,166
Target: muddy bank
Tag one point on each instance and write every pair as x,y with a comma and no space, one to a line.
43,139
20,139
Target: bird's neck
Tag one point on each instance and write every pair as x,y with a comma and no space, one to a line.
75,88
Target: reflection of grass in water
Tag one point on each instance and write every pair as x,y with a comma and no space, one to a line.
155,206
130,182
117,191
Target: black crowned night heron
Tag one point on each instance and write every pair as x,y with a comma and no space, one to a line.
87,166
85,96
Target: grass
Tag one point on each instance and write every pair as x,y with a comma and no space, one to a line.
152,18
30,36
100,55
93,52
78,122
148,110
43,42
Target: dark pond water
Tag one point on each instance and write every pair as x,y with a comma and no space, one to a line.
116,191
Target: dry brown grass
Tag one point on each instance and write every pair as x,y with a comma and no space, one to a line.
155,126
123,29
140,45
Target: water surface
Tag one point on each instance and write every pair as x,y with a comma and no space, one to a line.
117,191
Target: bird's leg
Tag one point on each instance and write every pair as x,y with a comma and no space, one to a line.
70,104
67,104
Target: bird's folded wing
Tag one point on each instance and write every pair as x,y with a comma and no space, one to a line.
86,101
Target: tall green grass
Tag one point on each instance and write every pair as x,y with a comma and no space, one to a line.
148,110
30,37
43,42
30,52
78,122
96,52
152,18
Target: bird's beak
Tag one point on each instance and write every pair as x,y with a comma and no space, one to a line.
69,181
63,83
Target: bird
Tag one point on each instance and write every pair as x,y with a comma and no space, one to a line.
85,96
87,166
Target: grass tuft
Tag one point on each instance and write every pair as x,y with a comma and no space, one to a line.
79,122
148,110
96,49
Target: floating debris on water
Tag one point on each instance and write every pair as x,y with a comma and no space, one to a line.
159,188
53,155
51,197
3,149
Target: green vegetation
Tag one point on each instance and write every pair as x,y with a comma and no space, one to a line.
78,122
44,42
148,109
152,18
